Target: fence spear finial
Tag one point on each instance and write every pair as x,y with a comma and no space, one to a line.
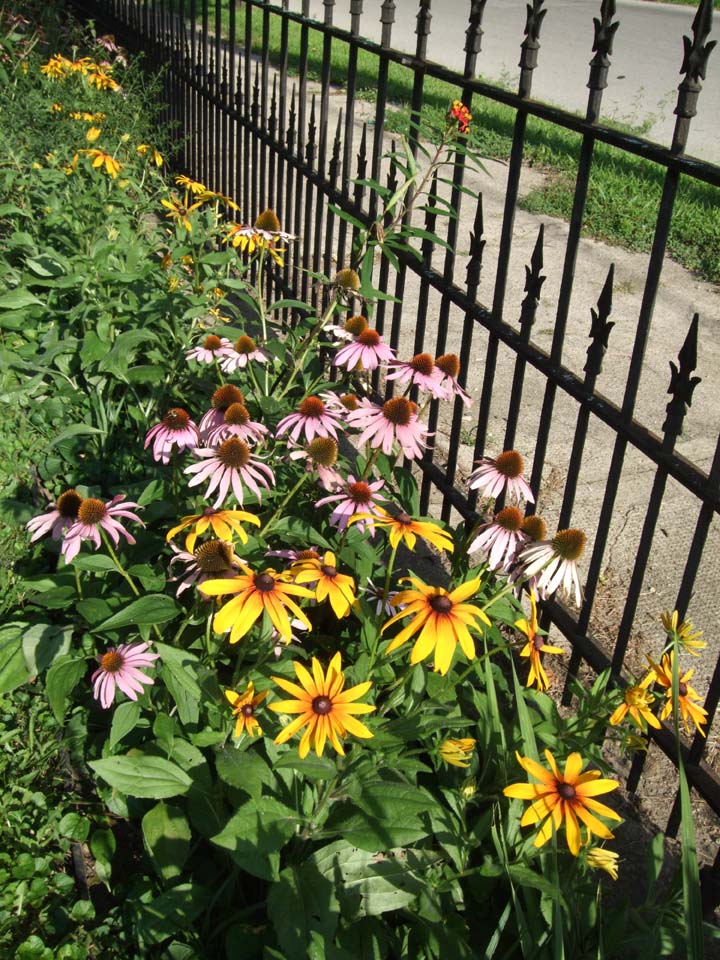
682,384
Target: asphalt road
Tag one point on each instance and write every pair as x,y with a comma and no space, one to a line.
644,75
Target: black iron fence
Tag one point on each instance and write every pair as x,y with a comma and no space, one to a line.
268,135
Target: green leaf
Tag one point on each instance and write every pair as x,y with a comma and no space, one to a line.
167,837
125,718
13,671
139,775
152,609
692,906
244,770
94,562
300,531
173,909
74,430
300,903
61,680
18,299
255,835
43,643
387,815
312,767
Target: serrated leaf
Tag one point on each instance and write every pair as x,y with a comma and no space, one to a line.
255,835
244,770
143,776
18,299
152,609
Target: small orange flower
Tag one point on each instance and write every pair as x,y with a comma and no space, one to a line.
329,584
686,695
459,112
101,160
534,647
243,707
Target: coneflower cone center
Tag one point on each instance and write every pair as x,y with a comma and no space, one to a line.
112,661
245,344
212,342
348,279
509,464
356,325
237,415
441,604
566,791
535,527
264,582
247,710
569,544
214,556
226,396
510,519
422,363
268,220
234,453
449,363
398,411
328,570
312,407
349,401
308,555
359,492
322,705
369,338
176,419
323,450
68,503
91,510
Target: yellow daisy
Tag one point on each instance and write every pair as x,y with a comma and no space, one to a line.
402,527
457,752
243,707
686,695
637,702
223,524
534,647
339,588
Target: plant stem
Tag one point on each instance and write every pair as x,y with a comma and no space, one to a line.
286,499
120,568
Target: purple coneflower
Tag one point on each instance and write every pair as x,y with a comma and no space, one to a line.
358,496
313,418
176,429
421,372
449,366
94,516
349,330
241,353
554,563
120,667
56,521
230,465
397,420
212,349
237,423
365,352
321,454
211,560
500,539
374,594
222,399
340,405
492,476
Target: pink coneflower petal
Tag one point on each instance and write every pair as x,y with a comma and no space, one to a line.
211,349
241,353
501,539
237,423
93,514
313,419
395,420
554,564
58,520
421,372
119,668
230,466
364,353
358,496
492,476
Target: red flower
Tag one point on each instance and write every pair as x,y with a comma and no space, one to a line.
459,112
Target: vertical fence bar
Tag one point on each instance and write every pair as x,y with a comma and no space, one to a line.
247,115
325,70
356,8
300,144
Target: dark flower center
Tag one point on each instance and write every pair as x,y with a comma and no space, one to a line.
215,556
682,689
538,642
323,450
176,419
422,363
322,705
247,710
227,395
509,519
360,492
91,510
369,338
404,519
245,344
441,604
356,325
349,401
312,407
210,512
268,221
212,342
237,415
328,571
449,364
264,582
566,791
534,526
348,280
569,544
68,504
112,661
509,464
397,411
234,453
308,555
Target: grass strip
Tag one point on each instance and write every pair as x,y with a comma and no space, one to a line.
624,190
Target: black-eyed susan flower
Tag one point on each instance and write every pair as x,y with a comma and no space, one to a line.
686,695
563,799
152,153
243,707
687,636
338,588
636,704
324,707
223,524
458,753
599,858
535,647
102,160
401,526
194,186
179,210
257,593
442,618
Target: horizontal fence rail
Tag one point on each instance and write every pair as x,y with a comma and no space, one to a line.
292,140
